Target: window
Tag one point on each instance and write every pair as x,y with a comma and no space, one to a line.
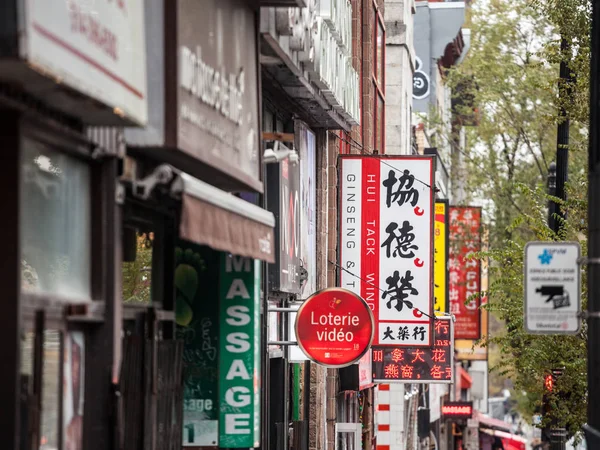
138,246
56,222
378,76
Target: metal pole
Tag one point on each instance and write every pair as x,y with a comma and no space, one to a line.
557,435
562,138
552,192
592,436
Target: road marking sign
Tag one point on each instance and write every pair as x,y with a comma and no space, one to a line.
552,288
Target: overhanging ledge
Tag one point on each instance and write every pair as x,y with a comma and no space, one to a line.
210,216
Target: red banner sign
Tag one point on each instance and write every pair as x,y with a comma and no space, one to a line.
334,327
386,243
464,277
416,364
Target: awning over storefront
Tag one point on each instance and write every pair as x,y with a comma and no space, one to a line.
509,441
465,379
489,422
216,218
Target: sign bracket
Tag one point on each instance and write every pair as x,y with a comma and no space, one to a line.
589,314
283,310
585,261
282,343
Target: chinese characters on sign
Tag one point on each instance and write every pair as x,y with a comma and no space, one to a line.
440,257
415,364
464,283
386,243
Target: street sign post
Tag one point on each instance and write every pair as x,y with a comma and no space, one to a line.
552,288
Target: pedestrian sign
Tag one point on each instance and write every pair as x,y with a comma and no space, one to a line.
552,288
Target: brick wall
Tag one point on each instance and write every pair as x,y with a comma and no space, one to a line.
358,140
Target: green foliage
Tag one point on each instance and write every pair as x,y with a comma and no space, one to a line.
512,76
137,275
525,358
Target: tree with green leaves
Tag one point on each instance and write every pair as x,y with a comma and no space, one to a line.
511,74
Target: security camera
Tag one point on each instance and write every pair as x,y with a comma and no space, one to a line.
275,154
293,157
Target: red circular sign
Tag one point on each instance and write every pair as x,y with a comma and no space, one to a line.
334,327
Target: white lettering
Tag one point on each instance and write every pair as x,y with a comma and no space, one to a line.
237,369
237,289
237,423
239,342
242,399
216,89
238,264
239,312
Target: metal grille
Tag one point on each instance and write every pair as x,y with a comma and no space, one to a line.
170,395
132,391
152,394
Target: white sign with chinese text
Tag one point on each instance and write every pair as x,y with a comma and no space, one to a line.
96,47
386,243
552,288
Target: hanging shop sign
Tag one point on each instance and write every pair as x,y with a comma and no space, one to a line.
197,319
365,371
217,86
386,243
472,349
334,327
308,203
457,410
464,284
440,257
283,200
95,50
552,288
421,82
417,364
239,353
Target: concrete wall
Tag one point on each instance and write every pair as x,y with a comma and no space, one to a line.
436,25
400,64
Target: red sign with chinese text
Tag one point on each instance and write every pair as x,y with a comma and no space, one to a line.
416,364
464,271
334,327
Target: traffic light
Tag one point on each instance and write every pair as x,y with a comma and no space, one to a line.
549,383
551,433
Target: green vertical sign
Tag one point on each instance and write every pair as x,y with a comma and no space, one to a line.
239,357
197,316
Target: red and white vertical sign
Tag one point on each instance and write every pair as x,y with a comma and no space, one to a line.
464,278
386,243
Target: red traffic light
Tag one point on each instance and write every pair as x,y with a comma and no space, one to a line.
549,382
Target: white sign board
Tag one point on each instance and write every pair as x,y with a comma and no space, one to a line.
552,288
94,47
386,243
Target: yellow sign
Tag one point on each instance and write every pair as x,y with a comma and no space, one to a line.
440,257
